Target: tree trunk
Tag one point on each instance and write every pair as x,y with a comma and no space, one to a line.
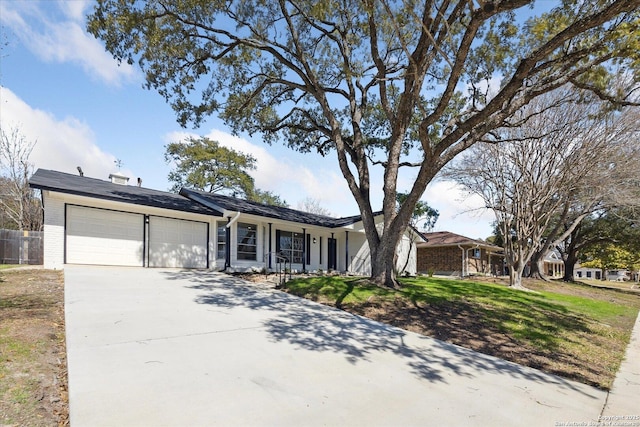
569,266
536,271
383,272
515,275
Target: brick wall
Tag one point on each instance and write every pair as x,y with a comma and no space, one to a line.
447,259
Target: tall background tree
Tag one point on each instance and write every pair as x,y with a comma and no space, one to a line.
570,158
20,208
311,205
205,165
378,84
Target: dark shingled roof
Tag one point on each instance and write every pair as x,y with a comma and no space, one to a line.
219,202
446,238
90,187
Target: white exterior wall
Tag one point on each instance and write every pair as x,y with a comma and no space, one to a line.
359,255
53,231
407,249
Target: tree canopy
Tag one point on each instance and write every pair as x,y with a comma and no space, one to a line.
569,159
407,84
205,165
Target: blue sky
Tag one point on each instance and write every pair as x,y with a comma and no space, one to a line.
62,89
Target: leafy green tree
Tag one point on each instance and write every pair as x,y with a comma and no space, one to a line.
607,240
267,198
382,84
205,165
610,257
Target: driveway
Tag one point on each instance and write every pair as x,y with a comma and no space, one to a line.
152,347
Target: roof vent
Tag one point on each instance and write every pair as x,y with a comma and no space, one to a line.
118,179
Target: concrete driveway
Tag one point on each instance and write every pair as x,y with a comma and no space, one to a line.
151,347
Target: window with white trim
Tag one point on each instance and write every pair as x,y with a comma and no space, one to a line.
247,242
221,241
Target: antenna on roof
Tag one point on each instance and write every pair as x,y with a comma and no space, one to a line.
139,182
80,171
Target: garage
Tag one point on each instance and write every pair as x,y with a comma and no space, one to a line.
103,237
177,243
108,237
93,221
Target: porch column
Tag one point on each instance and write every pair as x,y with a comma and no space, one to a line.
270,254
304,250
346,251
227,251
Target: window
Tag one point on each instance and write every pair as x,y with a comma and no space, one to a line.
476,253
290,245
589,274
247,245
222,242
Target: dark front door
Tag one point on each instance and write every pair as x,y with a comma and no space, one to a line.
332,254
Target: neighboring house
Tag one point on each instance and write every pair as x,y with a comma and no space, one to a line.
92,221
445,253
552,265
580,272
618,275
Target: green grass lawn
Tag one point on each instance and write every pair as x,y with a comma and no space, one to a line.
4,266
571,330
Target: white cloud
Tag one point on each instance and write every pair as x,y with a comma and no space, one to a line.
60,144
459,213
63,39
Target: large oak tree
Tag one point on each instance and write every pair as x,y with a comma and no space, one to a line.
376,83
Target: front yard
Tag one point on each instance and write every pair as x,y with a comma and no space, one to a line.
576,331
33,369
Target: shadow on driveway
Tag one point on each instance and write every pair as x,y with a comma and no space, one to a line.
312,326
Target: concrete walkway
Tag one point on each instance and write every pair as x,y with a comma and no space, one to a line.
149,347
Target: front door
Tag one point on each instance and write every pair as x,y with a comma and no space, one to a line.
332,254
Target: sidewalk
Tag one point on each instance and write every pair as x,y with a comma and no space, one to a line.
624,397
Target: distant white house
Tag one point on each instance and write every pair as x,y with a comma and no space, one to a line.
618,275
93,221
587,272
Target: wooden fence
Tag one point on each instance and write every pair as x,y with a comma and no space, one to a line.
21,247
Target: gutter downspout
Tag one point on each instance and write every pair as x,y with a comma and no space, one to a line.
230,222
233,220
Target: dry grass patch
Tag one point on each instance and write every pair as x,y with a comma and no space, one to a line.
33,369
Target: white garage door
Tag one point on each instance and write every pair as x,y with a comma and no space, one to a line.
177,243
104,237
